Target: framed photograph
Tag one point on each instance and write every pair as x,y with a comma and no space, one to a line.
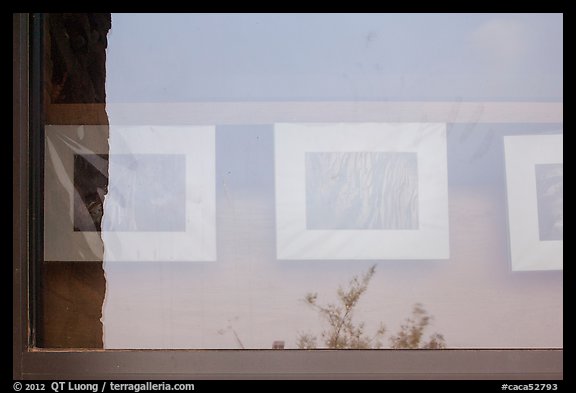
534,181
361,191
134,193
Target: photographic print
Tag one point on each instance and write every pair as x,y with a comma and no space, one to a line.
143,193
150,192
90,185
535,182
550,197
361,191
147,193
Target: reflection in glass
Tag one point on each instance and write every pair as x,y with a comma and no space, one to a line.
241,74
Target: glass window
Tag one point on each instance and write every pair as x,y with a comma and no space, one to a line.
286,181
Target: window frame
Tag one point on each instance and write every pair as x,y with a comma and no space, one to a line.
31,362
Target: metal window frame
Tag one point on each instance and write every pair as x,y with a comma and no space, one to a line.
30,362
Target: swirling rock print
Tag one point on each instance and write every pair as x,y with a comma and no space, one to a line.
362,190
